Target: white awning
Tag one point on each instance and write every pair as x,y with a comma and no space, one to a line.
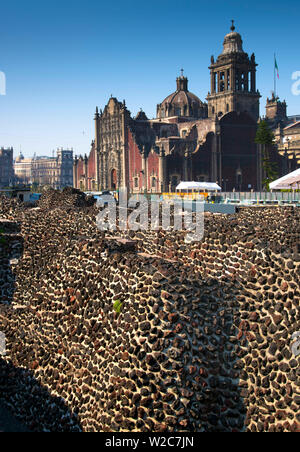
208,186
291,180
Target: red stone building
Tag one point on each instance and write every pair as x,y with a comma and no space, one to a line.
189,139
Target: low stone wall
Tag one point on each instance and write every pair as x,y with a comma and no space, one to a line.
140,331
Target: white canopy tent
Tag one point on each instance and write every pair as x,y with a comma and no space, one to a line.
291,180
198,186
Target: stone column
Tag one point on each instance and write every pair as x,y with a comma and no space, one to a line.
85,163
186,164
119,175
162,174
97,149
144,169
123,139
232,79
75,172
148,183
212,82
253,81
122,178
219,159
101,169
106,181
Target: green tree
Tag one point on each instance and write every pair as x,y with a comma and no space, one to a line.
264,134
265,137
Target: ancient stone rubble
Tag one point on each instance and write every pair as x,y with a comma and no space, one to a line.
199,339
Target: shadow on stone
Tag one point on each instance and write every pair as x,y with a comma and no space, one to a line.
25,405
11,250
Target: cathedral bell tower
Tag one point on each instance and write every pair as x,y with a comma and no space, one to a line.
233,80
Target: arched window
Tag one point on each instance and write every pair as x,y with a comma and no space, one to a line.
222,81
239,179
183,133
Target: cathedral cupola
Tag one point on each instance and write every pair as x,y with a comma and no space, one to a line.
182,103
182,82
233,42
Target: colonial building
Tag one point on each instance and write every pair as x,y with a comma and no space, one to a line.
23,169
288,140
190,139
286,130
54,171
6,167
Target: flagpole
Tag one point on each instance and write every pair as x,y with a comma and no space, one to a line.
274,75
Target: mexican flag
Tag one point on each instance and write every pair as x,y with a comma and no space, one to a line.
276,67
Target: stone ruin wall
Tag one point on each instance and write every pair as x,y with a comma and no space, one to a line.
203,340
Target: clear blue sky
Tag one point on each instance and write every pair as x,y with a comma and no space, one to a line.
62,58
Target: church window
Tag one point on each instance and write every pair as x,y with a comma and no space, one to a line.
239,178
228,80
244,81
174,181
222,81
153,182
136,182
237,81
177,111
162,113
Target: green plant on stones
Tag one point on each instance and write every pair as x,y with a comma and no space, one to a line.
117,306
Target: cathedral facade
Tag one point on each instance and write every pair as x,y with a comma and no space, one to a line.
188,140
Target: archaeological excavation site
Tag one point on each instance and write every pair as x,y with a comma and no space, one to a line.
143,331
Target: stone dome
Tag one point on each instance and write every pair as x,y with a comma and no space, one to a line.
233,42
19,158
182,103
